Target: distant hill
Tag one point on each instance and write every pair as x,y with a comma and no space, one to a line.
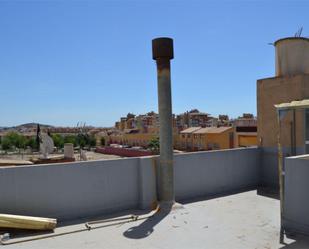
30,126
33,125
26,126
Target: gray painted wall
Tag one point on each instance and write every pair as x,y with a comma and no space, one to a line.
269,165
269,168
70,190
83,189
296,196
216,172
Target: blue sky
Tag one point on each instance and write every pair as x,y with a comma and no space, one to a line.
62,62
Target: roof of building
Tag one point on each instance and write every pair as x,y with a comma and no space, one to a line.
243,220
200,130
212,130
203,130
190,130
301,104
198,114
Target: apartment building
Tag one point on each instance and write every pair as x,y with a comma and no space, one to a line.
193,118
245,131
207,138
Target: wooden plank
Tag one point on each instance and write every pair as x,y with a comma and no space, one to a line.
9,162
27,222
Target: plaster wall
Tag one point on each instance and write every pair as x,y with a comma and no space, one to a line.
296,202
273,91
84,189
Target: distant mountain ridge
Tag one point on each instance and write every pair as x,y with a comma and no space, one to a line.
33,125
25,126
30,126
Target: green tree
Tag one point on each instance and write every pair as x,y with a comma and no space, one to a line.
21,142
31,142
6,144
92,141
13,139
71,139
86,140
82,140
58,140
154,145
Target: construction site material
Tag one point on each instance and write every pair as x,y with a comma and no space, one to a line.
27,222
6,240
9,162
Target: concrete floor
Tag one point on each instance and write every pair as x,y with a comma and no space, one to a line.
240,221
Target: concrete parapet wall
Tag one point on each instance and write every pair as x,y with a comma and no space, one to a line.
83,189
70,190
296,201
216,172
269,165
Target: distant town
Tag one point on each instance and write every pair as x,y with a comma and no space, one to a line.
192,131
138,135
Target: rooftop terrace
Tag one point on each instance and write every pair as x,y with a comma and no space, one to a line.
212,215
245,220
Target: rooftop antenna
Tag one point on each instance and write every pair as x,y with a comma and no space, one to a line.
298,33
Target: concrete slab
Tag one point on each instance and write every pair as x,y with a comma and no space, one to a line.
241,221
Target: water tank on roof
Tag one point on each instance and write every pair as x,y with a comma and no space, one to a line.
292,56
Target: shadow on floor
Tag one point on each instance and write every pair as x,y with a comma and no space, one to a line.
24,233
268,192
214,196
111,215
147,227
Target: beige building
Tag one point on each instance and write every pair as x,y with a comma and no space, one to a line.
291,82
193,118
245,131
185,139
208,138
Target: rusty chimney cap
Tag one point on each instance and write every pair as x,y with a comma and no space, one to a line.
162,48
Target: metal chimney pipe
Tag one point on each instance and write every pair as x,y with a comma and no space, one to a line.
162,52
